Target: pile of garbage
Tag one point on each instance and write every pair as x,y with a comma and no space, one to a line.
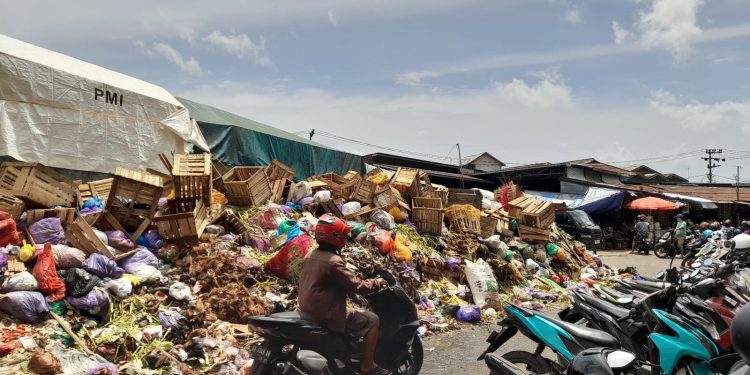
149,271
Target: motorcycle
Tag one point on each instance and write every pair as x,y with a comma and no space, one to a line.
563,338
667,247
296,344
596,361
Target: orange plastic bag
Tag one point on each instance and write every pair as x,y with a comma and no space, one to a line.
45,273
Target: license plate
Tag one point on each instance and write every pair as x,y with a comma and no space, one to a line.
596,242
261,353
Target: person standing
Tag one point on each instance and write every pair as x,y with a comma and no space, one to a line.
641,233
680,232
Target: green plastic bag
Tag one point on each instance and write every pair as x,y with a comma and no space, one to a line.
357,228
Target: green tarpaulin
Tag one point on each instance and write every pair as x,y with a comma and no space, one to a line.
236,140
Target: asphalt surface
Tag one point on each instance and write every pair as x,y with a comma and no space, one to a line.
456,352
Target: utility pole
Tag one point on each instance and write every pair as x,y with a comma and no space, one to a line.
737,202
712,162
312,133
460,165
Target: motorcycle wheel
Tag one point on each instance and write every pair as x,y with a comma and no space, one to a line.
528,361
687,261
413,363
661,252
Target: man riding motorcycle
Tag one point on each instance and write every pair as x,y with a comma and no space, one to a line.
641,234
324,284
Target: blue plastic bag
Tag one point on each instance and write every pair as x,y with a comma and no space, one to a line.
469,314
102,266
151,240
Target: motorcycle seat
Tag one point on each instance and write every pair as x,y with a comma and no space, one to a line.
298,317
616,311
594,336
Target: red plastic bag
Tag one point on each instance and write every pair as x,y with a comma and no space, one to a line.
381,239
288,261
8,233
45,273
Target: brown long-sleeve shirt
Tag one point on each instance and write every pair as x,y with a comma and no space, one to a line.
323,286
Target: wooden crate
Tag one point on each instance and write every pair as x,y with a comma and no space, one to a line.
462,223
533,234
191,176
465,196
183,227
488,225
362,215
532,212
427,214
404,180
247,186
390,198
66,215
442,193
338,185
134,197
278,190
12,205
364,192
95,189
423,187
516,206
218,170
280,171
82,236
37,185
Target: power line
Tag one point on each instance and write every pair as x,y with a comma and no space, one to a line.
682,155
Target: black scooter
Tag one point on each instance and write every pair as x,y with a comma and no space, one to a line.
296,344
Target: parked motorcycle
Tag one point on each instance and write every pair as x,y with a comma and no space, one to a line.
589,361
296,344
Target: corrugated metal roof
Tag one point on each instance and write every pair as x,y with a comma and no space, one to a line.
720,194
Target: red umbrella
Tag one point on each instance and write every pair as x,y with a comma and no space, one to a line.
651,204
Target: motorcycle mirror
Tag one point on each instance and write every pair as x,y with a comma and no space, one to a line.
696,264
695,273
708,262
620,359
660,275
625,300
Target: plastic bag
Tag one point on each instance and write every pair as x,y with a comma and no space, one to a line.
151,240
94,301
381,239
403,248
258,243
357,229
482,282
102,266
102,236
26,252
142,256
290,228
469,314
45,273
78,282
383,219
104,368
43,362
300,190
398,215
289,259
170,318
3,258
322,196
28,307
180,291
9,233
119,240
379,178
308,223
270,219
144,272
48,230
22,281
68,257
351,208
218,198
306,201
121,288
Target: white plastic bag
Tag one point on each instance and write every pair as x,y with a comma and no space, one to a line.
482,282
22,281
322,196
351,208
300,190
120,288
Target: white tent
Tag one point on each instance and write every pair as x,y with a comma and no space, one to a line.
67,113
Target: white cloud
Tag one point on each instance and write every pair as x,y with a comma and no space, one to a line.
240,45
621,35
546,94
415,78
571,16
721,116
671,24
332,18
189,66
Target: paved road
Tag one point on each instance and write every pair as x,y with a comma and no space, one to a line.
456,352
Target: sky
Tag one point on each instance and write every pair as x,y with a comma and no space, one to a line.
624,81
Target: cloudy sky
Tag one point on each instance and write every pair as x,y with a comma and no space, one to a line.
623,81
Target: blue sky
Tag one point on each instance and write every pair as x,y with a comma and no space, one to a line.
526,80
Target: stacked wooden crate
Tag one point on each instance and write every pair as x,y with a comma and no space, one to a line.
95,189
390,198
134,198
534,217
247,186
427,214
191,176
340,186
175,224
465,196
12,205
281,177
37,185
81,233
404,180
423,187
